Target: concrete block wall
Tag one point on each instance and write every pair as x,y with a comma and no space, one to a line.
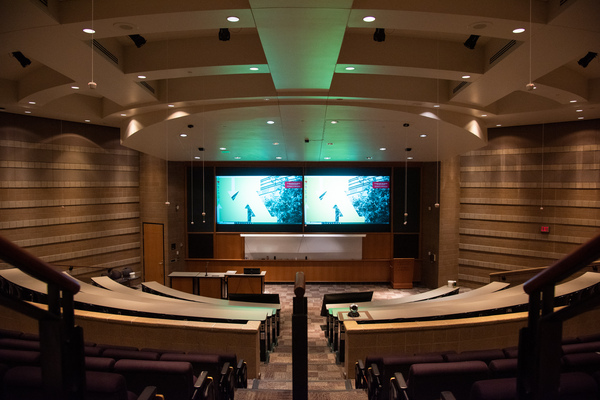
69,193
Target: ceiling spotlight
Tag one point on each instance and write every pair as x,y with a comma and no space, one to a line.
471,42
24,61
585,60
369,18
379,35
233,18
224,34
138,40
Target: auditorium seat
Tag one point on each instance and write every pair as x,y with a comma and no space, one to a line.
511,352
585,347
15,357
103,364
427,381
8,333
503,368
581,362
19,344
174,380
26,383
119,354
573,386
594,337
475,355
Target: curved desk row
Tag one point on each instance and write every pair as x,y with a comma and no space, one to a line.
93,298
507,301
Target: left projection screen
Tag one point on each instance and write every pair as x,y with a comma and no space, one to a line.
259,200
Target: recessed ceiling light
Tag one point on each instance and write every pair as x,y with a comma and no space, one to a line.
350,68
87,120
31,102
222,148
580,117
423,135
253,68
142,76
409,158
369,18
197,158
436,106
183,134
278,158
573,101
238,158
270,122
123,115
580,110
382,148
518,30
75,87
27,112
327,158
275,143
233,18
498,124
484,115
89,30
334,122
466,76
170,105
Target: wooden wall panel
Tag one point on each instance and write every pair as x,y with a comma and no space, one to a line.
377,246
229,246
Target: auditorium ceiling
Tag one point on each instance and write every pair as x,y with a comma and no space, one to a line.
301,80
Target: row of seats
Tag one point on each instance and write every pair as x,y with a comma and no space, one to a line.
170,371
579,354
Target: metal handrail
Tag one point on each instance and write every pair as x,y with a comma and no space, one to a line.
19,258
567,266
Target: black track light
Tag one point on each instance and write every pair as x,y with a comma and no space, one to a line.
585,60
379,35
24,61
138,40
471,42
224,34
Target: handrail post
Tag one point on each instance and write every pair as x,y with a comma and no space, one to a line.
300,340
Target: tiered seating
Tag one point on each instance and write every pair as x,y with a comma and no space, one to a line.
124,372
488,374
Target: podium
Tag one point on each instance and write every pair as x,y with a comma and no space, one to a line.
246,283
218,285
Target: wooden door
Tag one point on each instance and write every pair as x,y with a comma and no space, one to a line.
154,252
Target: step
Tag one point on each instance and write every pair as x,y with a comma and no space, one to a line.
259,394
336,384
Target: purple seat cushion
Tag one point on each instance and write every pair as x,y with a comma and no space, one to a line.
427,381
503,368
119,354
476,355
586,347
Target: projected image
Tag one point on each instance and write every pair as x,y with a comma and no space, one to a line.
346,200
259,199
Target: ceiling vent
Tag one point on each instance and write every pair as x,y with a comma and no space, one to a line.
147,86
502,51
105,51
459,86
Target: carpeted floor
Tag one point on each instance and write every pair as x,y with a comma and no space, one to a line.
326,380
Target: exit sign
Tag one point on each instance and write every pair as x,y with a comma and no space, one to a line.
545,229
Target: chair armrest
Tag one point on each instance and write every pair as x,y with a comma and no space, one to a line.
398,387
149,393
374,382
203,387
359,375
447,396
241,374
226,382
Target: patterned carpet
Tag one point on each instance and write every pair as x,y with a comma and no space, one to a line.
326,381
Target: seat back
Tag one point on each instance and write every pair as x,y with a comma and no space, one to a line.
174,380
427,381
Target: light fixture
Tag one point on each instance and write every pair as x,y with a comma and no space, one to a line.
579,110
20,57
196,157
138,40
27,112
270,122
423,135
573,101
31,102
183,134
369,18
379,35
142,76
75,87
350,68
465,76
327,158
334,122
123,115
238,158
471,42
382,148
222,148
224,34
233,18
275,143
278,158
89,31
253,68
585,60
518,30
171,105
436,106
